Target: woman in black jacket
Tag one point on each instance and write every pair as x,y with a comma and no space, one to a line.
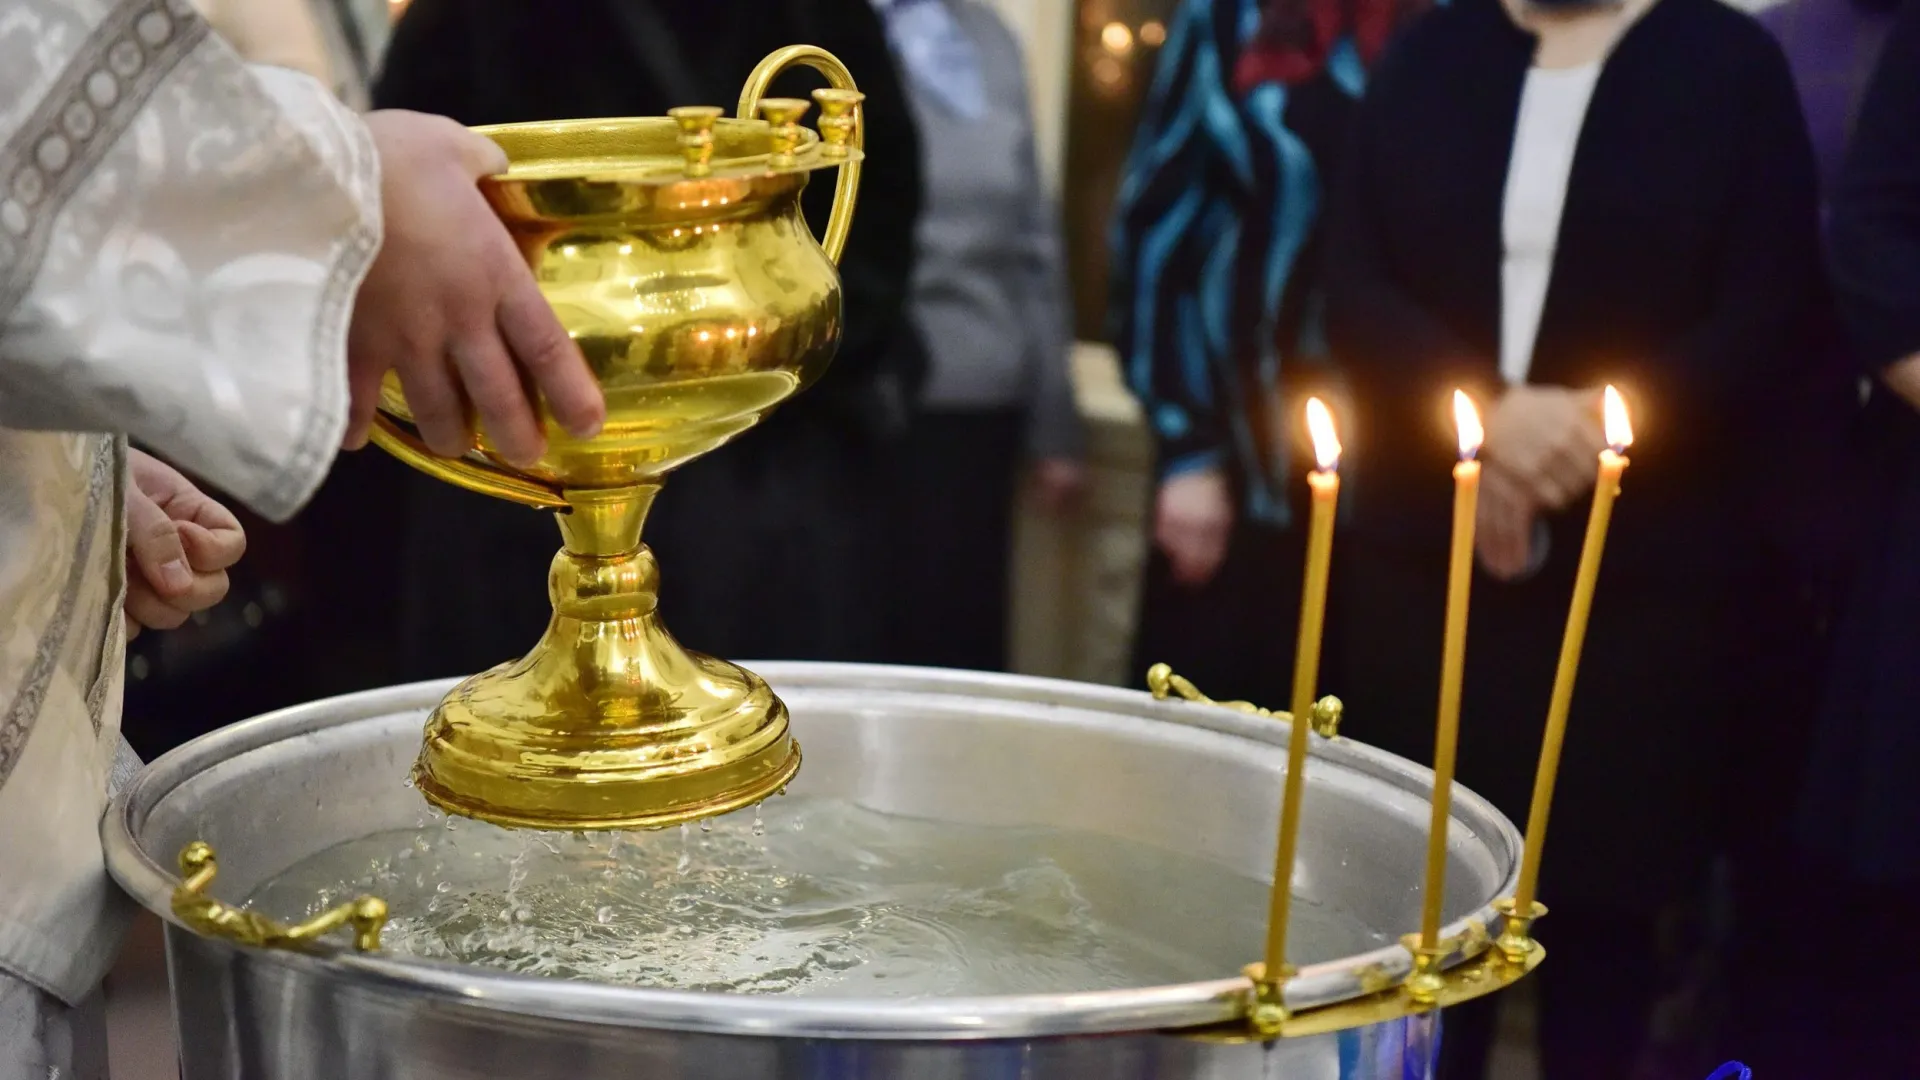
1541,200
770,547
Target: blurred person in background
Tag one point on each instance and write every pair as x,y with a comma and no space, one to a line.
1827,1004
1217,300
989,298
1832,47
215,259
777,544
1826,1016
1606,193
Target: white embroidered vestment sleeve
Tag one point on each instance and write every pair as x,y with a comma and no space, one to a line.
181,237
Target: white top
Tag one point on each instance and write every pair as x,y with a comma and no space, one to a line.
1553,106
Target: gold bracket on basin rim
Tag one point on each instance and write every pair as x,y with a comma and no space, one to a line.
1324,719
1486,965
1265,1017
210,918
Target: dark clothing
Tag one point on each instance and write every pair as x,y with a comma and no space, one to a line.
768,546
956,478
1821,1004
1687,273
1863,806
1832,47
1875,227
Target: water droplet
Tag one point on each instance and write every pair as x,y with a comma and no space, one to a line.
706,824
799,825
443,887
603,916
759,826
524,915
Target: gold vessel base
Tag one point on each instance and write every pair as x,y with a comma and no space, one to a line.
609,723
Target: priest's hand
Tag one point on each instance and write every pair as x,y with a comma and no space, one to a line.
179,546
1545,437
451,306
1192,522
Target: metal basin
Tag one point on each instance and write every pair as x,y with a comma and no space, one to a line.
965,747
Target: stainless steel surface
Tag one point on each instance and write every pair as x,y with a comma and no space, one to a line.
967,747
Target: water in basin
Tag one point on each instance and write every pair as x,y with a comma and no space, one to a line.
812,896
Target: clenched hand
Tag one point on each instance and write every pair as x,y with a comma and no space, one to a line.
179,546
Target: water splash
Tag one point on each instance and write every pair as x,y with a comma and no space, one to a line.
857,903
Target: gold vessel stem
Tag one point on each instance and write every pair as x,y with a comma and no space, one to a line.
607,522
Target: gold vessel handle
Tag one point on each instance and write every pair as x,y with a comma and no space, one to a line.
210,918
846,190
388,435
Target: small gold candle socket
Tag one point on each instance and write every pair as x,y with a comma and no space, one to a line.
696,135
1423,986
837,119
783,114
1268,1014
1516,929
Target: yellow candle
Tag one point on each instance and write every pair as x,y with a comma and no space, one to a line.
1453,654
1613,462
1325,485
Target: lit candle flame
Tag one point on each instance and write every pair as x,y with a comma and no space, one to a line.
1619,430
1466,420
1326,445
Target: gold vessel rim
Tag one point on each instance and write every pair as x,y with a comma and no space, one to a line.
655,165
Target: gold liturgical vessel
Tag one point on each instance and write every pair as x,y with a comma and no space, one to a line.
674,251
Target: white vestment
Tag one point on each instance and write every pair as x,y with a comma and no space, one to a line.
181,237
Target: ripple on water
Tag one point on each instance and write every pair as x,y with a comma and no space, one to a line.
855,903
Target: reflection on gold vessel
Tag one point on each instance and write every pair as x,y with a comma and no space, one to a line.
675,253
